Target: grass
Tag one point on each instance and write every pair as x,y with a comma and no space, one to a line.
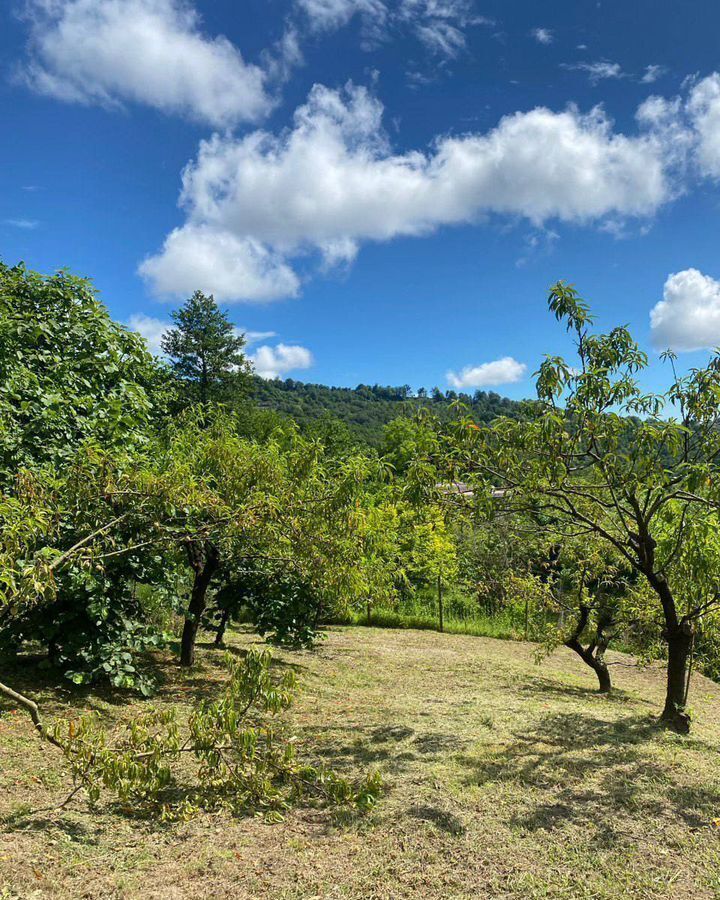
504,780
479,626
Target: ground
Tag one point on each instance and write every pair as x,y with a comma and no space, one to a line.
503,780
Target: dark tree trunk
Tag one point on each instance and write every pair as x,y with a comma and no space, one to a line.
679,641
679,636
597,664
204,560
594,654
220,636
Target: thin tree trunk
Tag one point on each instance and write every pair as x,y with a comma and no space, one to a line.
440,601
220,636
204,559
594,654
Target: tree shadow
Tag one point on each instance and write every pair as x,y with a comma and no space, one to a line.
47,686
579,769
440,818
545,687
29,820
276,662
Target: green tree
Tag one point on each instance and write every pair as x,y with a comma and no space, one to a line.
206,352
604,457
68,373
78,395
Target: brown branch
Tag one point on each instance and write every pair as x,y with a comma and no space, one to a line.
32,708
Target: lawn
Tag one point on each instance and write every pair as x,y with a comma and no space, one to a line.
503,779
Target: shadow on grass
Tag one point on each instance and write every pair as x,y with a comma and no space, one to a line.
47,686
26,819
550,687
396,747
581,769
440,818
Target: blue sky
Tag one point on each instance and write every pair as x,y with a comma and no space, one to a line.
376,190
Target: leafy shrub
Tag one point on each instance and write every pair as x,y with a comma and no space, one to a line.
243,760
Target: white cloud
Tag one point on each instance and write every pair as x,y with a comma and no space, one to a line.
256,203
438,24
219,262
703,108
253,337
490,374
543,35
25,224
599,71
151,329
652,73
331,14
688,316
153,52
273,362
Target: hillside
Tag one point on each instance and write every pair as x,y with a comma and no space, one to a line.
503,780
367,409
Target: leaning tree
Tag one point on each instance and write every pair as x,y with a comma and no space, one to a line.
602,456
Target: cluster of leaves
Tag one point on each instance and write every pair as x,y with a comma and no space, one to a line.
232,753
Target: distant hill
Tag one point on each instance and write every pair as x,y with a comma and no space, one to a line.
366,409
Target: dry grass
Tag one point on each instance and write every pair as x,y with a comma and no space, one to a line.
504,780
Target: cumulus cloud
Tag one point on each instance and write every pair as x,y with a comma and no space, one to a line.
150,328
220,262
490,374
256,203
274,362
543,35
154,52
688,316
703,107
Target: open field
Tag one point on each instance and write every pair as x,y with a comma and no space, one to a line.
503,780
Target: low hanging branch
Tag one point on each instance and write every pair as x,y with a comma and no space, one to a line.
33,710
244,760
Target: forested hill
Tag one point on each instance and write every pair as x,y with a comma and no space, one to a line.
367,409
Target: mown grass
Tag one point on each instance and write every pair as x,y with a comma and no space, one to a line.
503,780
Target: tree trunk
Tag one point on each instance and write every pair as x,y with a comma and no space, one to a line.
204,559
224,619
679,641
596,663
600,668
679,636
594,654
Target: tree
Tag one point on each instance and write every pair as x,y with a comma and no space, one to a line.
286,506
205,351
68,373
603,457
433,558
78,394
579,590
